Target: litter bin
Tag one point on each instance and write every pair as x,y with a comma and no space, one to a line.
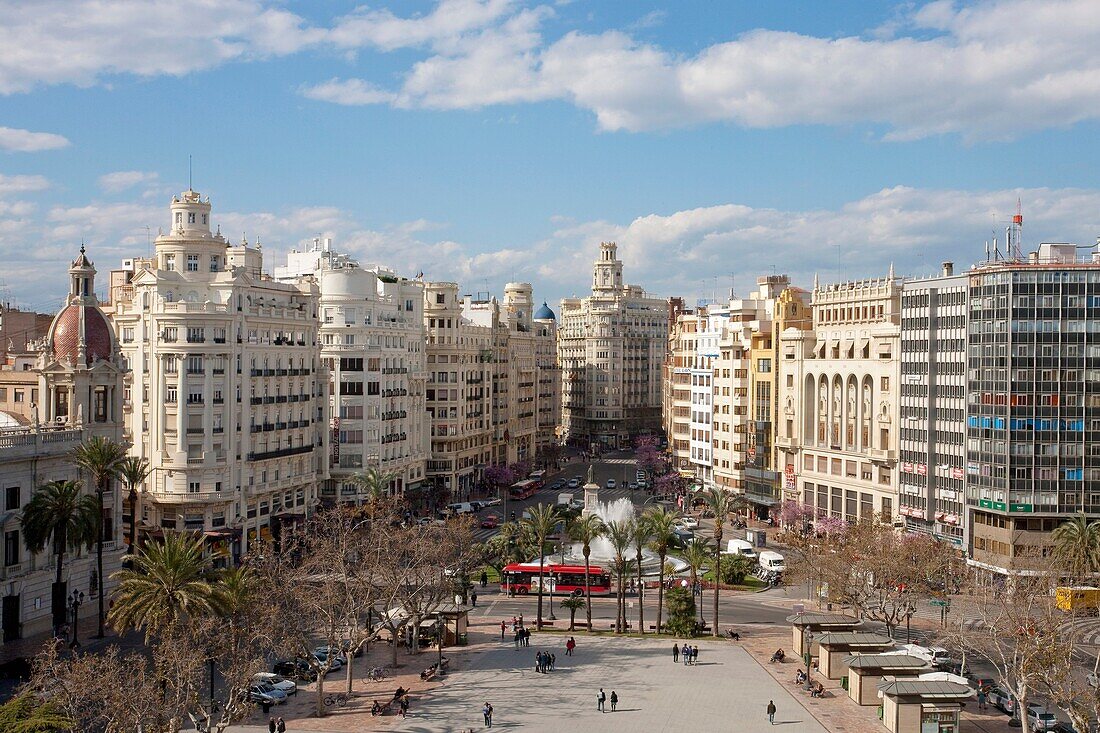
844,682
880,712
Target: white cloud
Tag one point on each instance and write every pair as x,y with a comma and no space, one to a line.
990,70
348,92
81,41
383,30
122,180
25,141
22,184
673,253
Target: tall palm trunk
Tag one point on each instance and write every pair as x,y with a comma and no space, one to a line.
542,562
620,601
641,594
717,569
660,592
99,564
587,587
133,521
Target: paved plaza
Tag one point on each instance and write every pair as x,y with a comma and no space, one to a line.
726,691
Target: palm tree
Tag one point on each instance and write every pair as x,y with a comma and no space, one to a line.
720,504
169,580
236,589
375,483
696,555
1077,544
100,457
60,515
133,471
573,602
662,533
586,530
541,524
640,537
620,534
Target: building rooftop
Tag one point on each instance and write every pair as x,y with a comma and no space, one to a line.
854,638
885,661
927,689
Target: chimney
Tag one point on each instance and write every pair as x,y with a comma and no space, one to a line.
948,268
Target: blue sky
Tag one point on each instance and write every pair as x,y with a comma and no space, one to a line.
489,140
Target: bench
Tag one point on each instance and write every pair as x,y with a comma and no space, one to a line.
436,669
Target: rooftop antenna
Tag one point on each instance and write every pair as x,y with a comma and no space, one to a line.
1015,233
189,172
149,239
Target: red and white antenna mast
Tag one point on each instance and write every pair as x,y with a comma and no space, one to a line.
1015,234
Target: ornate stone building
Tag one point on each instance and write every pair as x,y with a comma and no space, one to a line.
227,397
611,346
838,429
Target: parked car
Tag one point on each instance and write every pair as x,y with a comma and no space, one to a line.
261,692
1063,727
491,501
1093,679
611,483
1002,700
490,521
690,522
298,669
1040,718
322,652
477,506
287,687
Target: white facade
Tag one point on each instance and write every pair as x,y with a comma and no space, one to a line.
838,400
372,346
611,346
225,398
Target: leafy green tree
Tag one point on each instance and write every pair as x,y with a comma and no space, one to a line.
169,580
586,530
681,612
574,603
734,569
541,524
133,471
62,516
1077,545
100,457
25,713
620,533
719,502
662,532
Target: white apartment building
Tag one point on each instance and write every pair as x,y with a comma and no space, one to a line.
933,409
225,398
611,346
372,346
549,379
838,428
69,390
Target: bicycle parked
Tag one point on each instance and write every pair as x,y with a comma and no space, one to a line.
376,674
340,699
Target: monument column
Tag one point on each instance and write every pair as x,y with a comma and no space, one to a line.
591,493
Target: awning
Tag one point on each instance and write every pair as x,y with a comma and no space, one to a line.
226,533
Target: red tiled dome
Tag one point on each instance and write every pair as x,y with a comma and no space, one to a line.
66,334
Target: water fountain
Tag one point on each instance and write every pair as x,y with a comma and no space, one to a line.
603,554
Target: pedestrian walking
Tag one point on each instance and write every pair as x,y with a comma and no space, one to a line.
271,725
981,698
527,637
614,700
280,725
516,638
484,579
771,711
473,598
487,711
403,704
570,646
553,661
675,653
600,697
685,652
502,625
694,655
538,662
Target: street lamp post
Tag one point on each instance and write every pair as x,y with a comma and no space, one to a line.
807,640
75,599
551,617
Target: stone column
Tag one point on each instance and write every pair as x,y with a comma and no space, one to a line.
181,405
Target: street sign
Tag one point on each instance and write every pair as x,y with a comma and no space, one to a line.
937,602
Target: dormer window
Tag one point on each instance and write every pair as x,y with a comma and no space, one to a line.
170,260
191,217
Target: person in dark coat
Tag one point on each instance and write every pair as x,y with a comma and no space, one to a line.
771,711
675,653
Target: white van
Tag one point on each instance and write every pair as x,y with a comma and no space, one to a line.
464,507
740,547
935,655
772,561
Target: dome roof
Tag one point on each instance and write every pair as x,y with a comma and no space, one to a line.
544,313
65,332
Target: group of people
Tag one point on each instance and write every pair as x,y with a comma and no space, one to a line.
276,725
816,688
544,662
601,698
690,654
779,655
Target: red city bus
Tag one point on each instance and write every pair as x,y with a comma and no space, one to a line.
522,578
523,489
538,477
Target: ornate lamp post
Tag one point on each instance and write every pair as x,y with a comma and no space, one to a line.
75,599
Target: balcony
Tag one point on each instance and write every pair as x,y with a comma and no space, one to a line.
281,453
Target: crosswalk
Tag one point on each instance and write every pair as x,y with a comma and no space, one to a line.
618,461
1084,630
